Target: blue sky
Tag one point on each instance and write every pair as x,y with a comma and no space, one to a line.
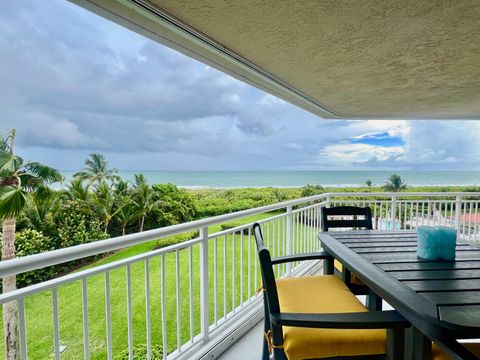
73,83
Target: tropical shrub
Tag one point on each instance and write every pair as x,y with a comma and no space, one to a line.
77,225
175,206
140,353
30,242
310,190
175,239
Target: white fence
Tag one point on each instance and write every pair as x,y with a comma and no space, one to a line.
183,296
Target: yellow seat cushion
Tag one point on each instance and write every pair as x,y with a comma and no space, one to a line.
354,279
438,354
324,294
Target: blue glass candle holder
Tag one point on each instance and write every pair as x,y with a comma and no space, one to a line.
436,243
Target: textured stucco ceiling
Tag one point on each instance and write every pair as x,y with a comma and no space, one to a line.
358,58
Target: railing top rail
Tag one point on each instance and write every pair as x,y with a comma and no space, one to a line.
404,194
33,262
37,261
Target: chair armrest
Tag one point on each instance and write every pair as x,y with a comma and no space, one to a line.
301,257
358,320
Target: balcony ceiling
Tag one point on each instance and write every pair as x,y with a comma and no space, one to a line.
338,59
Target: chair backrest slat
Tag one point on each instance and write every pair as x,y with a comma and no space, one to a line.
354,211
268,276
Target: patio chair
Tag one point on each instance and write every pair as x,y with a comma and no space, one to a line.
330,221
318,317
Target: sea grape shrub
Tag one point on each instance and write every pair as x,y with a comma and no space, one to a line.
31,242
176,239
218,202
77,225
310,190
176,206
140,353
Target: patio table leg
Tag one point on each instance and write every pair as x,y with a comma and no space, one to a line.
346,276
374,302
418,346
396,344
328,267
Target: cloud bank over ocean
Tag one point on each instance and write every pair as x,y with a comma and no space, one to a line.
74,83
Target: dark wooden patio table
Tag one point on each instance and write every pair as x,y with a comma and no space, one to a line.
440,299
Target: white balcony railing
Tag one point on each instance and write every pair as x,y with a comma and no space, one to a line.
190,297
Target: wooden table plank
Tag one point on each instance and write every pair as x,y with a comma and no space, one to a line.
466,316
443,285
412,257
436,275
430,265
388,249
366,244
452,298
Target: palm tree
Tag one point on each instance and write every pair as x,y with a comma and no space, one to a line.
96,170
106,204
127,214
40,214
140,179
395,183
18,179
369,183
146,199
77,190
121,187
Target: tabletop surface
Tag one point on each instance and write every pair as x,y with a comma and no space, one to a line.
440,293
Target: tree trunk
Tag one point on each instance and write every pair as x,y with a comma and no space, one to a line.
123,229
142,222
10,315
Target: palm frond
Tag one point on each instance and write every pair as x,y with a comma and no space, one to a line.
12,201
43,194
9,163
29,182
44,172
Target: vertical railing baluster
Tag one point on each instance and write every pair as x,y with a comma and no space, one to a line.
233,273
204,289
249,270
225,276
475,229
148,326
381,216
22,329
108,316
163,307
129,312
215,281
178,301
470,221
393,210
86,350
241,267
458,209
289,229
190,290
56,331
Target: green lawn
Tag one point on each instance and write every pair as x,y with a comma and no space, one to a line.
39,308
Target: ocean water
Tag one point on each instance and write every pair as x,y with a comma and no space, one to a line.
234,179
